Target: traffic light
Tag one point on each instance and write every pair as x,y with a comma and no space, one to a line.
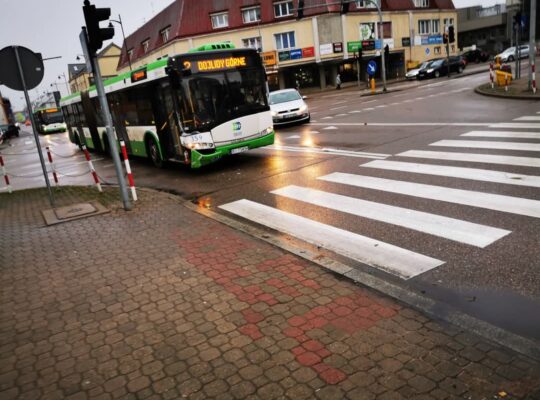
96,35
300,12
344,7
517,20
451,34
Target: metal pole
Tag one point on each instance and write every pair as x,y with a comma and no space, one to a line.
532,36
516,55
31,115
383,66
125,44
66,82
111,136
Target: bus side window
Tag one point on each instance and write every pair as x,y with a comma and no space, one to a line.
144,106
128,108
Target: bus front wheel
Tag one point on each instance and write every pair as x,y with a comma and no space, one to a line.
153,152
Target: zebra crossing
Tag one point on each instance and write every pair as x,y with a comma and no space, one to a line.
389,257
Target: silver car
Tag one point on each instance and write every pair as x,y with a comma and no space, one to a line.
288,106
510,53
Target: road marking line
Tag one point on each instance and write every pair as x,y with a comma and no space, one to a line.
437,225
381,106
355,111
347,153
329,128
369,109
527,118
341,115
400,95
337,108
292,137
484,175
504,134
478,158
407,123
370,101
517,125
395,260
327,117
497,202
488,145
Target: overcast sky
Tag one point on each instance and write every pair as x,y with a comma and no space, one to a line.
52,27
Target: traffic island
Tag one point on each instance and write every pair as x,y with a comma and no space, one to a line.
516,90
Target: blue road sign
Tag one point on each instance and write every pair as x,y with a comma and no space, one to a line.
427,51
371,67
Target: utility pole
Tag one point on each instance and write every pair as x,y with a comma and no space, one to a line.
532,40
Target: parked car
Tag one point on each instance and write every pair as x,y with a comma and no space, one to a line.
475,56
288,105
413,73
510,53
9,131
440,67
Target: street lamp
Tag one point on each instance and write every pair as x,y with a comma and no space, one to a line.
123,36
65,81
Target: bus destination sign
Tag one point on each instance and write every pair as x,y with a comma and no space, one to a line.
137,76
221,63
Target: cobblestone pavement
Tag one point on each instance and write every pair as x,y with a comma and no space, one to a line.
161,302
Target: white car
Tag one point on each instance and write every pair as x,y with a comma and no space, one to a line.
413,73
288,106
510,53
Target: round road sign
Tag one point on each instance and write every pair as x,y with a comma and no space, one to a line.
371,67
31,63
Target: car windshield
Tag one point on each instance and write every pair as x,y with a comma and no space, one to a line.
208,100
283,97
436,63
510,50
424,65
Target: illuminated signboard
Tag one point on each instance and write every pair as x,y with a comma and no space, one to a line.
138,75
221,63
52,110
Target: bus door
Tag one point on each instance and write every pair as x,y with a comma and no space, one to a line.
90,119
165,112
119,117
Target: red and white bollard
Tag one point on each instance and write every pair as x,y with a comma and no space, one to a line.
91,166
533,71
6,177
49,155
491,75
128,170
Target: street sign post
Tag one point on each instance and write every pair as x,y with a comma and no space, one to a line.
371,68
23,70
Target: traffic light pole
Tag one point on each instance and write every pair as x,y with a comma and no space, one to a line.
532,36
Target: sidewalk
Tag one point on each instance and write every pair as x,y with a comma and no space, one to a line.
516,90
163,303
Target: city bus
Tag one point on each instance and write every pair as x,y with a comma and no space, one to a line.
192,108
49,120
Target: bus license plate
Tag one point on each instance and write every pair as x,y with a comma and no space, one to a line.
239,150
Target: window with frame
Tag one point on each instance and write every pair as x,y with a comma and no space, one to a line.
448,21
220,20
423,26
421,3
165,34
130,54
252,14
437,50
252,43
435,26
283,9
145,45
365,4
285,40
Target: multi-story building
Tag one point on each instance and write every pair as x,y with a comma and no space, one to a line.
307,47
108,58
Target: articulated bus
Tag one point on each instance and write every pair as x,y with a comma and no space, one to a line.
193,108
49,120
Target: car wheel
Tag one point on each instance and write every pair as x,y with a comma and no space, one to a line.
153,152
460,70
510,59
308,119
437,74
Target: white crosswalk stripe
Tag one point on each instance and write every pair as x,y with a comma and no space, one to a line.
528,118
474,174
504,134
476,158
515,125
449,228
488,145
393,259
337,152
496,202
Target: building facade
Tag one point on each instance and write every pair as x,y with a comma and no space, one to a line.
300,48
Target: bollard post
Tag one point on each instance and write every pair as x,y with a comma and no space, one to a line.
128,170
49,156
372,85
91,166
533,76
6,177
491,75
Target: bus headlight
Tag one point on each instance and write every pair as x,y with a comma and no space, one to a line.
200,146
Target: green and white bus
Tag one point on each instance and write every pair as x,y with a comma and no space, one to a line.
49,120
193,108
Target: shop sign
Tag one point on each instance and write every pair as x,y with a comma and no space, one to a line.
389,43
425,40
269,58
353,47
418,40
378,44
296,54
368,45
284,55
338,47
308,52
325,49
367,31
435,39
405,42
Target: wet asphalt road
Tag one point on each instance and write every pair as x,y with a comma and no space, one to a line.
499,283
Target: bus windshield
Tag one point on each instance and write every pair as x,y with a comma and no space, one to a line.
210,99
54,117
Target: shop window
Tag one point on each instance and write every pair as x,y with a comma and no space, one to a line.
423,26
285,40
435,26
283,9
220,20
251,14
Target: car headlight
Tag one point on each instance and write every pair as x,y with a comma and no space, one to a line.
303,108
429,71
274,113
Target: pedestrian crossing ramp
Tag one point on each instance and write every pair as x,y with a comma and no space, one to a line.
388,257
